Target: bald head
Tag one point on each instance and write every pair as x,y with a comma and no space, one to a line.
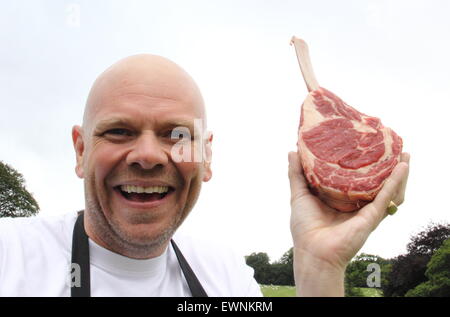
151,75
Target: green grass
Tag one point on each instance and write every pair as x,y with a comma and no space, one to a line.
277,291
289,291
370,292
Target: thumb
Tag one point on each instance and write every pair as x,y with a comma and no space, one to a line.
297,181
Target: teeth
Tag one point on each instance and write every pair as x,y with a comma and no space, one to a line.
148,190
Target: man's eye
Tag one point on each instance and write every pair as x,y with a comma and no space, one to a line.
181,133
119,132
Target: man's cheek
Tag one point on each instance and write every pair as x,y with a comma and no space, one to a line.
189,170
95,176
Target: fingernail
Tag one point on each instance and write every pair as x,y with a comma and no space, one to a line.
408,157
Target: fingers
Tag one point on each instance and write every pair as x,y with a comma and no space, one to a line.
392,187
393,190
400,197
296,178
405,157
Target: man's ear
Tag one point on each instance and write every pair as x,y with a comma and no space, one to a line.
207,156
78,144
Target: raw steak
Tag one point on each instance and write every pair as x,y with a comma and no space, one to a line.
346,155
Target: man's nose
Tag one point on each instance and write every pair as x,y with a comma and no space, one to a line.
148,152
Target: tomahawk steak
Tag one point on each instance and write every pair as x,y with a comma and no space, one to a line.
346,155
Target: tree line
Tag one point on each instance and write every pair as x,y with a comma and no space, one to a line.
423,271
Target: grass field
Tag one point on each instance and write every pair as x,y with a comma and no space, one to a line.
370,292
278,291
289,291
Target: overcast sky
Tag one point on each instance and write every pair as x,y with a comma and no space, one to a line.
386,58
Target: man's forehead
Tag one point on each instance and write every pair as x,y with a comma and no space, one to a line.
142,76
155,95
165,86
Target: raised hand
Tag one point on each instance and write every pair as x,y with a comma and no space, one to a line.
325,240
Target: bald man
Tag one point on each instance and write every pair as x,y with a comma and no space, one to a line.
139,188
136,196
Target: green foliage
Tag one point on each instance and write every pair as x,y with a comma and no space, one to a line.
428,289
439,265
288,257
278,273
429,240
281,274
409,270
282,271
438,274
350,290
261,265
15,200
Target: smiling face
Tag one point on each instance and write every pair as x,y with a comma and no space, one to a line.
136,193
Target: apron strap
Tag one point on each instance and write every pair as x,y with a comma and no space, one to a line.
192,280
80,256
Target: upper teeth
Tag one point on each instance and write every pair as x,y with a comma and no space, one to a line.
148,190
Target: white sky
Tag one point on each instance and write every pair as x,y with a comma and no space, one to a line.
388,59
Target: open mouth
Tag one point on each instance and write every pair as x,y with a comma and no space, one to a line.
144,194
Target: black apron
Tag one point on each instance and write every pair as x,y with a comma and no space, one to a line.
80,256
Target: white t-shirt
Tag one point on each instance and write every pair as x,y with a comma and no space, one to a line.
35,256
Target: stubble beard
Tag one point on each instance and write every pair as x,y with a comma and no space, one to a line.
119,241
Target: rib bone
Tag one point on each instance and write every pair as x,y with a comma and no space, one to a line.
301,48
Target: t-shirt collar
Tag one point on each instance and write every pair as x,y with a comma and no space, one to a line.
120,264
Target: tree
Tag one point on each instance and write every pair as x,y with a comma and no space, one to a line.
288,257
408,271
282,271
15,200
429,240
260,264
438,274
279,273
